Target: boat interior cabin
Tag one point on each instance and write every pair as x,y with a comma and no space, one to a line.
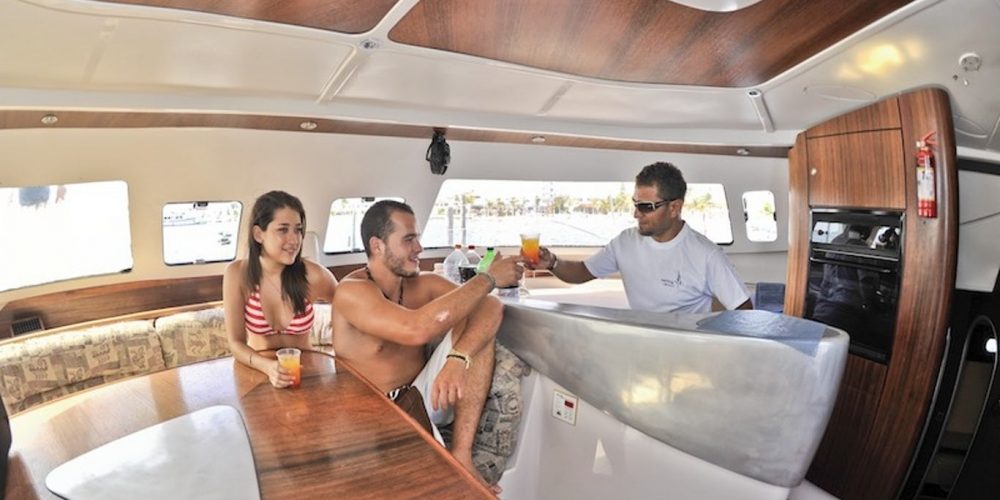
843,154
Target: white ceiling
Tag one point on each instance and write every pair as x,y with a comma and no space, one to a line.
81,54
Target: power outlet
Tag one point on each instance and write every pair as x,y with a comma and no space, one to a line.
564,407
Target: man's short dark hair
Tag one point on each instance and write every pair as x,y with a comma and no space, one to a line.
666,178
378,221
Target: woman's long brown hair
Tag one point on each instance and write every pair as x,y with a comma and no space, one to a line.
294,285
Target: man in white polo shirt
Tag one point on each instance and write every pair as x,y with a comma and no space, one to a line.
665,265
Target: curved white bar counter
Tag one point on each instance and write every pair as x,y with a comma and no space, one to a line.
754,406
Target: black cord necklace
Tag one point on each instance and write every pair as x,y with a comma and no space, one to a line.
400,301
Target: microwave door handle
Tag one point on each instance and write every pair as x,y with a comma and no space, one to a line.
829,251
877,269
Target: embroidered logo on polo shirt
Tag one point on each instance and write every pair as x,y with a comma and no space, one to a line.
673,283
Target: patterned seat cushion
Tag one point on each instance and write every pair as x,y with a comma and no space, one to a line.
42,368
193,336
496,437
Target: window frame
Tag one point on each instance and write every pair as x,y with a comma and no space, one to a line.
729,213
236,234
746,215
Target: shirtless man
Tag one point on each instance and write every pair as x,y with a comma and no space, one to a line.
387,313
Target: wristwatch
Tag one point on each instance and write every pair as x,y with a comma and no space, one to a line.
555,262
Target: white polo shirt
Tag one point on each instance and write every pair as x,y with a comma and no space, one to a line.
680,275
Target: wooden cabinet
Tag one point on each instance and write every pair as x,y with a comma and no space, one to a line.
857,170
866,160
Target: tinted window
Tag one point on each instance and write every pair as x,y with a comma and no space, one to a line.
758,211
58,232
343,229
494,213
200,232
706,210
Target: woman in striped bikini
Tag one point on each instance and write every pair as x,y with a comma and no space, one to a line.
268,296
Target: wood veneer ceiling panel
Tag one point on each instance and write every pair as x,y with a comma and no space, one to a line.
20,119
345,16
643,41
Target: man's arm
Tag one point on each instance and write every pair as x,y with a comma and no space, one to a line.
725,284
362,304
570,271
474,339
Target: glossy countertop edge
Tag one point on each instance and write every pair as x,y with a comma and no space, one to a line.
601,353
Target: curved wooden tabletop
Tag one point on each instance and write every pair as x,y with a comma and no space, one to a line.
335,436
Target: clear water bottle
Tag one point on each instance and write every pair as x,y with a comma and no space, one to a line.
473,257
487,260
453,262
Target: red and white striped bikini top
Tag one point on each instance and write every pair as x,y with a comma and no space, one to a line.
253,316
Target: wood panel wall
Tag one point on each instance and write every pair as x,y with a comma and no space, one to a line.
867,162
881,409
17,119
798,227
72,307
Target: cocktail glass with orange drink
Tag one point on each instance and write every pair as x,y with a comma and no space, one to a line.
289,359
530,247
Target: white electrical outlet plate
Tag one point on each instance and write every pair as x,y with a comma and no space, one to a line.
564,407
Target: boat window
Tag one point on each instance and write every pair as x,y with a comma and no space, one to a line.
580,214
343,230
200,232
706,210
59,232
759,214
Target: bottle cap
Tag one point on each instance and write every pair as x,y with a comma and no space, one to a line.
458,246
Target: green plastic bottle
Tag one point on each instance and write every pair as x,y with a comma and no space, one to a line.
487,260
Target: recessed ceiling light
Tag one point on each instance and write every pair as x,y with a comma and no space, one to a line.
50,119
538,139
308,125
369,44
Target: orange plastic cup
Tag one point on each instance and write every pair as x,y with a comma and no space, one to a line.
530,246
289,359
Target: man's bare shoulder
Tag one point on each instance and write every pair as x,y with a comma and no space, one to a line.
429,283
353,283
358,274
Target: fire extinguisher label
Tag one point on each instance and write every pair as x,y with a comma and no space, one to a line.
925,183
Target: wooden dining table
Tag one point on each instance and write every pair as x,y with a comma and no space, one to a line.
335,436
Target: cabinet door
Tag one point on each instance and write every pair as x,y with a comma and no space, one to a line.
863,170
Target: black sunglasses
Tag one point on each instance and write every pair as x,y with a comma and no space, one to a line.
649,206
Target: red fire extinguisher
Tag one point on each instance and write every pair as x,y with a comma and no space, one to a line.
926,178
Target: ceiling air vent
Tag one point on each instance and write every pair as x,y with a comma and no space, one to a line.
26,325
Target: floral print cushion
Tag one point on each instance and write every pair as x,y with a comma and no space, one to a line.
193,336
45,367
496,437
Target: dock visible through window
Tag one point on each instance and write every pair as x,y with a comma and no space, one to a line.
759,213
495,212
200,232
343,228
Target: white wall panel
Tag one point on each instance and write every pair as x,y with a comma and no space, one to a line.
164,165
